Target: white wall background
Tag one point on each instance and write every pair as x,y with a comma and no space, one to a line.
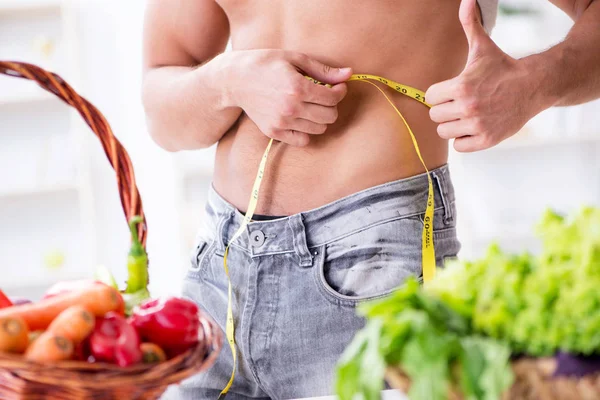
502,192
110,47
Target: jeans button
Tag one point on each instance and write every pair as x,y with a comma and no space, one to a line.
257,238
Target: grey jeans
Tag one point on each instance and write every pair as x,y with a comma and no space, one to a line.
298,279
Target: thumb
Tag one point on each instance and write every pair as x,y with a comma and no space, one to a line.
469,19
322,72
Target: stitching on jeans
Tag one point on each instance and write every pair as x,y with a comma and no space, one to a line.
197,274
351,197
439,179
252,364
442,230
364,228
279,252
322,287
203,254
445,233
244,321
275,307
274,253
300,246
376,188
446,190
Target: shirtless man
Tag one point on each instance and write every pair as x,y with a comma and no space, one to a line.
340,213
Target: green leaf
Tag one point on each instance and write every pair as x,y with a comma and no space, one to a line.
472,363
104,275
426,360
497,375
485,368
361,369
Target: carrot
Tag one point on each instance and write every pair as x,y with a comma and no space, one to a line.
151,353
98,299
14,335
34,335
50,347
75,323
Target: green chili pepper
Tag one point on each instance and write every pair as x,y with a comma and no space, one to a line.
137,261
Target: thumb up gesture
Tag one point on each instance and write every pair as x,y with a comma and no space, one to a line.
490,100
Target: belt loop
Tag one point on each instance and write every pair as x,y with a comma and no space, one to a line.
299,237
223,224
441,183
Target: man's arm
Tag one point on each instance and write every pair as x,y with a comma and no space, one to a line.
569,73
183,102
496,95
193,92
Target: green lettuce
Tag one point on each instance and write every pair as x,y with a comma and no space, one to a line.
539,304
430,342
462,328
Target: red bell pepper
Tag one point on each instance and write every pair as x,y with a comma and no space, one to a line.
115,340
4,300
171,323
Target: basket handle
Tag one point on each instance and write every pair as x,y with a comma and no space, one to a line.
116,153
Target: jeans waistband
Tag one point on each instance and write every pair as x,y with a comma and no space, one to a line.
301,232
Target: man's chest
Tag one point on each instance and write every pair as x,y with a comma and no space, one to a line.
349,11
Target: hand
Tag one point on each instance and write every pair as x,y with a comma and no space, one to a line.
490,100
271,88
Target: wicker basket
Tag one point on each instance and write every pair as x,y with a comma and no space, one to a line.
70,380
533,380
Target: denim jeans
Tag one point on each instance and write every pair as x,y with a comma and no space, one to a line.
298,279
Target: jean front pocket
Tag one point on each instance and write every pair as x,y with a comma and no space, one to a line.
370,263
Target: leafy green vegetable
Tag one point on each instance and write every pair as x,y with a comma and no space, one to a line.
461,329
540,304
485,369
363,365
427,338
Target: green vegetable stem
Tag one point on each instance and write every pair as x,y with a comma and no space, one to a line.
137,261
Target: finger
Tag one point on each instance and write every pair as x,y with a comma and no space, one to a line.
441,92
467,144
306,126
317,113
471,23
446,112
291,137
455,129
320,71
323,95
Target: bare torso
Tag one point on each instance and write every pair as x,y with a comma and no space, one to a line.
416,43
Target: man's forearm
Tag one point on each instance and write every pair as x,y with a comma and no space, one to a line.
186,107
569,73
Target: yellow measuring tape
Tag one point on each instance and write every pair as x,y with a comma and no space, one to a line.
428,251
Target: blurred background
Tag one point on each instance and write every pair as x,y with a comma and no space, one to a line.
60,215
